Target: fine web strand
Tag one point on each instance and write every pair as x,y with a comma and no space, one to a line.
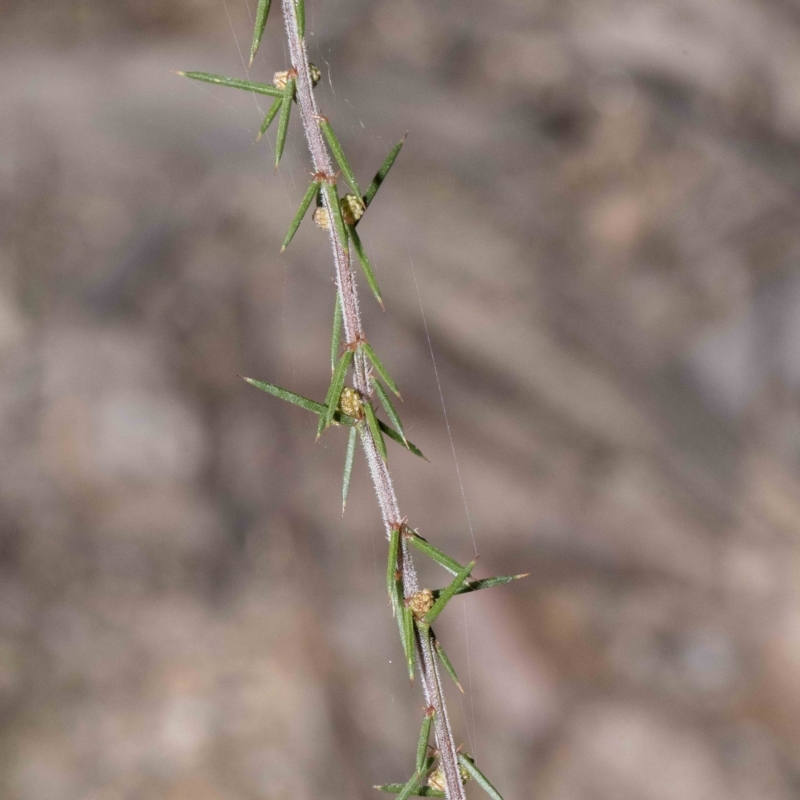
241,55
280,175
470,733
441,399
255,97
249,12
200,88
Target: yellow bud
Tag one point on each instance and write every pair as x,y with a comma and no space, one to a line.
350,402
436,780
280,78
322,219
420,602
352,208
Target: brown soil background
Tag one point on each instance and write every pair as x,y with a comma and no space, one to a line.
600,201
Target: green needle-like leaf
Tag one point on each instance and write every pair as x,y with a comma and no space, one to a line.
310,194
291,397
391,564
388,407
408,789
304,402
321,410
447,594
236,83
382,371
283,121
271,114
419,791
401,623
337,384
339,155
300,7
422,746
332,196
393,434
348,464
363,259
380,176
336,336
261,22
446,663
485,583
322,417
408,625
375,429
450,564
478,776
396,595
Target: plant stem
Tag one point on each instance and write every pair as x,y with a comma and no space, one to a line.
353,331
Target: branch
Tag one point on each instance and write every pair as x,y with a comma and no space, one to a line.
353,330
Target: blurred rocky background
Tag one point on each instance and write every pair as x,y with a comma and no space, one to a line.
599,203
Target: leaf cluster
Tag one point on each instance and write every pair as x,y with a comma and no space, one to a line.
320,184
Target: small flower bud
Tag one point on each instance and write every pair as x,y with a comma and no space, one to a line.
322,218
352,208
420,603
280,78
350,403
436,780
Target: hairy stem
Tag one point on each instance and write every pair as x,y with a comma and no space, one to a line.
353,331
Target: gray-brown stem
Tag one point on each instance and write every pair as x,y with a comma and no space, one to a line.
430,678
